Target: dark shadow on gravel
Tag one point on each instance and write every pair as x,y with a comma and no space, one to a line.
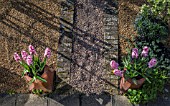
38,14
10,81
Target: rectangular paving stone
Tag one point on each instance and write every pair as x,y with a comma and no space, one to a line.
110,28
111,49
65,55
30,100
103,99
111,35
121,101
52,102
8,100
112,42
111,23
67,100
111,56
110,18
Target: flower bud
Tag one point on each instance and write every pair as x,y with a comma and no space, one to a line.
152,62
118,72
145,51
134,53
47,53
29,60
31,50
17,57
24,55
114,65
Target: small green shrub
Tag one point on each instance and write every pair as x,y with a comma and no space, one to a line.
160,8
149,26
37,91
158,50
149,91
152,28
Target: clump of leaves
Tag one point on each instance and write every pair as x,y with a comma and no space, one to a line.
158,50
150,26
37,91
149,91
11,92
160,8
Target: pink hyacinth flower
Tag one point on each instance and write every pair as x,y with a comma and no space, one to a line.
114,65
29,60
134,53
24,55
47,53
17,57
145,51
32,50
118,72
152,62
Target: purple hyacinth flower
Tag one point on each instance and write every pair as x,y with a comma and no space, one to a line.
17,57
134,53
114,65
24,55
32,50
145,51
29,60
47,53
118,72
152,62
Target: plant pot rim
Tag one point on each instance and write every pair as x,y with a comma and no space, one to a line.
48,75
128,84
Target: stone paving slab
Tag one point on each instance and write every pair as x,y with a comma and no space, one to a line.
96,100
8,100
52,102
66,100
30,100
103,99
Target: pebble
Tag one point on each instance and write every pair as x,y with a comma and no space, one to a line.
166,90
166,98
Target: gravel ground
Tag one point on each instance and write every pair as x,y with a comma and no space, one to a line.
87,68
22,23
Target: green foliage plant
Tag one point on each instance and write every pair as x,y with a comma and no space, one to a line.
137,66
160,8
33,65
158,76
37,91
150,26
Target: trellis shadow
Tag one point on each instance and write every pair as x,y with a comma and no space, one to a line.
37,13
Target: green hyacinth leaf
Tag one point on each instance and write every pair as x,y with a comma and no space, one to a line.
24,72
32,80
134,81
42,79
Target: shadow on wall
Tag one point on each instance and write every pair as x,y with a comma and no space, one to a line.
10,82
